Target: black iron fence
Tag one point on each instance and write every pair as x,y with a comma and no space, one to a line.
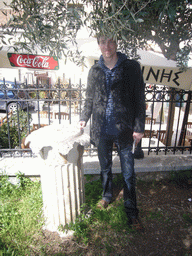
25,107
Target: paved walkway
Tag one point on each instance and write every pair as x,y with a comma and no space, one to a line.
33,166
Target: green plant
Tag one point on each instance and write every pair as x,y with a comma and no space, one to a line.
20,215
4,136
93,192
38,94
114,218
42,94
181,177
118,180
88,177
9,132
32,95
187,218
156,214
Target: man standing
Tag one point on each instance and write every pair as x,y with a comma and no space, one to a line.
115,99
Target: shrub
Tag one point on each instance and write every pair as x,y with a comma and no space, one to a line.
9,132
182,178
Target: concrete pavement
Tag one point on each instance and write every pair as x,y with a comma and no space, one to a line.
33,166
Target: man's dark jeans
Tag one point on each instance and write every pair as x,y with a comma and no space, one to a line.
127,168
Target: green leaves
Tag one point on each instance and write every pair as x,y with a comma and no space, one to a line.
52,26
166,23
44,25
23,120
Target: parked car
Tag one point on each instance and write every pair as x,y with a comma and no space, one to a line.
11,95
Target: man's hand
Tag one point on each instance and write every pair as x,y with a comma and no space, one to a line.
137,136
82,124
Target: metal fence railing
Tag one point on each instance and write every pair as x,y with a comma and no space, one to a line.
168,127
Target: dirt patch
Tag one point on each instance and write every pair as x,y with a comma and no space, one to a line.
166,213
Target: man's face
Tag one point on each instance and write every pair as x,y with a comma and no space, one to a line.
108,47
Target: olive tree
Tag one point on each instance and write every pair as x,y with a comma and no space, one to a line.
144,23
52,26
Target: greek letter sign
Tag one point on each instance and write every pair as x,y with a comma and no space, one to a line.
33,61
170,76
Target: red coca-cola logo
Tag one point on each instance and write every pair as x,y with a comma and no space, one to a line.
33,61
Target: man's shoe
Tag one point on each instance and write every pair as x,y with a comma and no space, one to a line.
102,204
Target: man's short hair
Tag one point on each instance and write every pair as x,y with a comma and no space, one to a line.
106,36
98,36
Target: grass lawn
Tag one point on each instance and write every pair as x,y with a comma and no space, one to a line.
165,210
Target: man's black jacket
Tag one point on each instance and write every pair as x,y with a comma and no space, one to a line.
128,96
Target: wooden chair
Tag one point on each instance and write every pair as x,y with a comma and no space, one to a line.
188,141
45,114
37,126
4,119
62,115
189,124
149,134
161,135
148,120
75,106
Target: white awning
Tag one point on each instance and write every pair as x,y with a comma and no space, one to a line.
156,68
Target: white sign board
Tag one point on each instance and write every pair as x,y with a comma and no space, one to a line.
169,76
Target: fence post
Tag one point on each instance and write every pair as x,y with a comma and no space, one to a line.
80,97
171,114
184,125
70,99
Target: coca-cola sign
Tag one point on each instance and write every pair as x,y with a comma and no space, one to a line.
33,61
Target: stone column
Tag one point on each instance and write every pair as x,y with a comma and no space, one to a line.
62,187
62,179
